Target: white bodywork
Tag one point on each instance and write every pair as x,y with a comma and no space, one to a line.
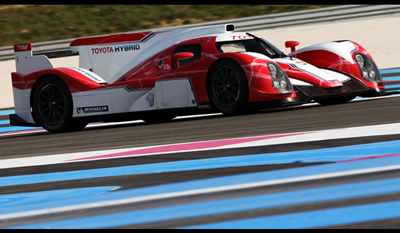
89,75
111,61
327,75
343,49
25,64
107,67
22,104
111,64
123,99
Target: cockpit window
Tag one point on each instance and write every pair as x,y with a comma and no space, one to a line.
269,49
233,47
249,45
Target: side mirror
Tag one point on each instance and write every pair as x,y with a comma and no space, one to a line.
292,45
181,56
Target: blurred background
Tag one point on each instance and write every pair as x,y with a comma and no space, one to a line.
39,23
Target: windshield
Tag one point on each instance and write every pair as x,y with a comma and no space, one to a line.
256,45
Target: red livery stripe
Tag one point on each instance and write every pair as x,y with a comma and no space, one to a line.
192,146
369,157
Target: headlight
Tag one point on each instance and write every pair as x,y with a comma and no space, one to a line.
279,79
359,60
368,69
272,69
365,74
372,74
283,83
275,84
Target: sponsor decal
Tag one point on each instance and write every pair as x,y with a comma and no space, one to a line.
81,110
201,40
241,37
115,49
160,64
89,75
150,99
22,47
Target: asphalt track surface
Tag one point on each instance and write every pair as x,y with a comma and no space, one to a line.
286,120
289,120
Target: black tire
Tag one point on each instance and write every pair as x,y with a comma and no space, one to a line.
336,100
52,106
228,90
156,118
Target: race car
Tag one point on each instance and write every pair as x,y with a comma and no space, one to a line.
158,75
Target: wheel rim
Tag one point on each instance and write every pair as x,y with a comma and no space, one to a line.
226,86
52,104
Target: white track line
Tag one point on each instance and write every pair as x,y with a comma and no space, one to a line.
353,132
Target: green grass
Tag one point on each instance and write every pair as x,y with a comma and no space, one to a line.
39,23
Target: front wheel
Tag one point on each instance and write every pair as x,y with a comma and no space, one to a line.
228,89
52,106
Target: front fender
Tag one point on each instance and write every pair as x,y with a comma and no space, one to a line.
256,69
76,79
335,55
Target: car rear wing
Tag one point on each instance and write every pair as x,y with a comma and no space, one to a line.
26,62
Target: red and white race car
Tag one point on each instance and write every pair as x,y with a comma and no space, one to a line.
156,76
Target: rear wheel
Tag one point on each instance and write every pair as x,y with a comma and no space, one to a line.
337,100
228,89
52,106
